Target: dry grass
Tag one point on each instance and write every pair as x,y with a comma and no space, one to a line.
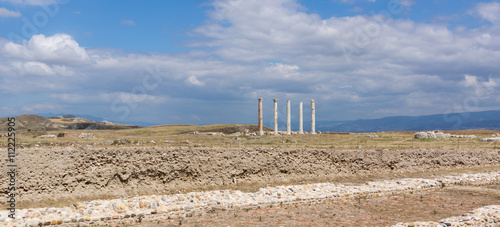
183,135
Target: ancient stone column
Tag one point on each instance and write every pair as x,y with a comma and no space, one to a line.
313,117
301,119
275,116
261,127
288,119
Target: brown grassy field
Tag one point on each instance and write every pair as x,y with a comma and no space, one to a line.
184,135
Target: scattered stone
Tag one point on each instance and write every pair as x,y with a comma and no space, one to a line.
372,136
108,142
439,135
464,136
181,205
120,141
492,139
48,136
84,135
431,135
483,216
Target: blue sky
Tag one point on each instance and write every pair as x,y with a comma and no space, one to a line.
207,62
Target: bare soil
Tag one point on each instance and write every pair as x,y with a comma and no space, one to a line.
61,176
383,211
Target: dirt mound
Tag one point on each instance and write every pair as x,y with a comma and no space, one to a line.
62,175
237,128
34,122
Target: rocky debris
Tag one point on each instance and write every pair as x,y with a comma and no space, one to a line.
492,139
99,171
213,133
168,141
431,135
483,216
495,135
182,205
108,142
120,141
47,137
152,141
107,122
464,136
439,135
372,136
4,135
84,135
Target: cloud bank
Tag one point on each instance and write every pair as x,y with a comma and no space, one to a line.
354,67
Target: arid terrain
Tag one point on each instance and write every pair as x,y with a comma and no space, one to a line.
164,160
49,177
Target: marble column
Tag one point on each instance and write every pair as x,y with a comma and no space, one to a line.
261,127
288,118
313,117
275,116
301,119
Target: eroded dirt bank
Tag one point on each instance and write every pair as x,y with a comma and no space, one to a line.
60,176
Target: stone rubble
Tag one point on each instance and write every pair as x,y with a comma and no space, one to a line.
483,216
198,203
492,139
439,135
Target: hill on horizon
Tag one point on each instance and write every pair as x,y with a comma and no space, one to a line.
489,120
35,122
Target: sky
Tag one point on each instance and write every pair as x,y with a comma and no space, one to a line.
207,62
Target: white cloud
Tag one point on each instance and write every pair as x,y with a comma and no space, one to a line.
60,48
400,67
7,13
406,3
488,10
35,2
192,80
32,68
128,22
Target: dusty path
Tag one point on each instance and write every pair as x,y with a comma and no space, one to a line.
61,176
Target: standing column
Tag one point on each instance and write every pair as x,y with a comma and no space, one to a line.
261,127
301,119
313,117
288,119
275,116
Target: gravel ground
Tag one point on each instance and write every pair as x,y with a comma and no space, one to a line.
198,204
384,211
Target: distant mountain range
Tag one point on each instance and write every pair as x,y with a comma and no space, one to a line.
67,121
489,120
99,119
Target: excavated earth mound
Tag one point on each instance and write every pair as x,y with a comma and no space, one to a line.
61,176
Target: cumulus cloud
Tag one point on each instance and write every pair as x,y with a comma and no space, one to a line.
7,13
128,22
488,10
34,2
60,48
355,67
192,80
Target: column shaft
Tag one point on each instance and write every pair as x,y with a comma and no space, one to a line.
275,116
313,117
301,119
261,127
